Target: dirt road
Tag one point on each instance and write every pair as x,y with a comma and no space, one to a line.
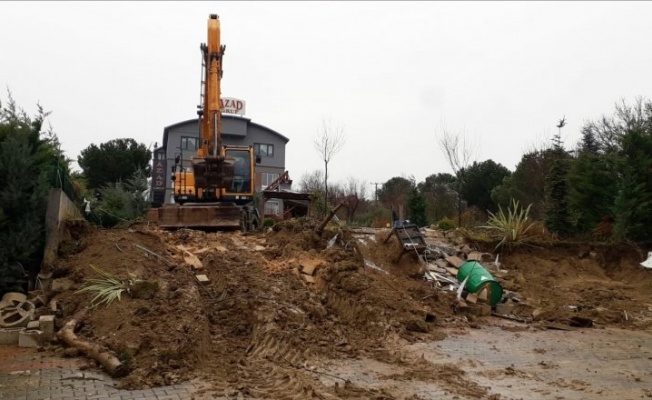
525,364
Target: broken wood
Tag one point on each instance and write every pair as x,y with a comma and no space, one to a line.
192,260
93,350
454,261
308,267
561,327
320,228
509,317
160,257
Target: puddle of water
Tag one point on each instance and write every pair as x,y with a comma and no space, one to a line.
569,365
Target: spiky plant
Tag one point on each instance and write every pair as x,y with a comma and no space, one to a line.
513,225
108,288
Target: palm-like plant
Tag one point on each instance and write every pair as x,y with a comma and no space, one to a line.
107,288
513,225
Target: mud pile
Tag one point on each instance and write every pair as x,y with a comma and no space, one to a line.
281,305
258,312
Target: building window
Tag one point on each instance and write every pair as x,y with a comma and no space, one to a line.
160,155
264,150
267,179
272,207
189,143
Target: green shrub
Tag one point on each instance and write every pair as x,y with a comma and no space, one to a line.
268,222
107,288
446,224
512,226
121,202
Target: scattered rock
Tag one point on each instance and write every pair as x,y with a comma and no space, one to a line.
144,290
417,325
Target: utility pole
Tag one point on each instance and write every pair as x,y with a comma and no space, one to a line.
376,190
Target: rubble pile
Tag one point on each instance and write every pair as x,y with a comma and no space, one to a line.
261,313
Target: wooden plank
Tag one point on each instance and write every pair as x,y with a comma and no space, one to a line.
455,261
193,261
474,256
560,327
441,263
309,266
452,271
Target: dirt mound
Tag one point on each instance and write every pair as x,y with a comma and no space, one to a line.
602,283
281,304
257,313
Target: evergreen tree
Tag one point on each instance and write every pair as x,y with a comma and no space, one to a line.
556,189
31,162
417,208
114,161
593,184
633,203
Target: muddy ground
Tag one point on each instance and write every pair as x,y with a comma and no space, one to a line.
264,328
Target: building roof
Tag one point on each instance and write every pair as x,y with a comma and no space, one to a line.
224,116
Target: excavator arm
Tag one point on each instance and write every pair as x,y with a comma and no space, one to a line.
212,168
218,191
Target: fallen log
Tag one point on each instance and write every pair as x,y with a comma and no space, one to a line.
320,229
92,350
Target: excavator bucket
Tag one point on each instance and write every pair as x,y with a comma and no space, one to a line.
205,216
213,172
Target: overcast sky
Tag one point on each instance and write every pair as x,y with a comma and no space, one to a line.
393,73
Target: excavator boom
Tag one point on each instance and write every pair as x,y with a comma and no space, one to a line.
214,189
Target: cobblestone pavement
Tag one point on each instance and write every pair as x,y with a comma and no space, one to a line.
26,374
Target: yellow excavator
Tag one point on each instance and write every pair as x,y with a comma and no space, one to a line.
216,190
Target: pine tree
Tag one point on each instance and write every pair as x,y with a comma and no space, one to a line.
417,208
30,161
556,191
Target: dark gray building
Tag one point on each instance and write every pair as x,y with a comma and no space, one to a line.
182,139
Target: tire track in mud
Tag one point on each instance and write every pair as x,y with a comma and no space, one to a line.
341,306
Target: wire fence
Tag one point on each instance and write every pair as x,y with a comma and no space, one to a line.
59,179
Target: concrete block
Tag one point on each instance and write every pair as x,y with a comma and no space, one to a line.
203,279
31,338
61,284
9,336
46,323
481,310
11,299
33,325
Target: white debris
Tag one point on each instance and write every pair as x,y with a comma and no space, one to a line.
370,264
331,242
648,263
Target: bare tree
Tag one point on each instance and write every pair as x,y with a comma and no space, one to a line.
329,142
354,192
459,154
312,182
